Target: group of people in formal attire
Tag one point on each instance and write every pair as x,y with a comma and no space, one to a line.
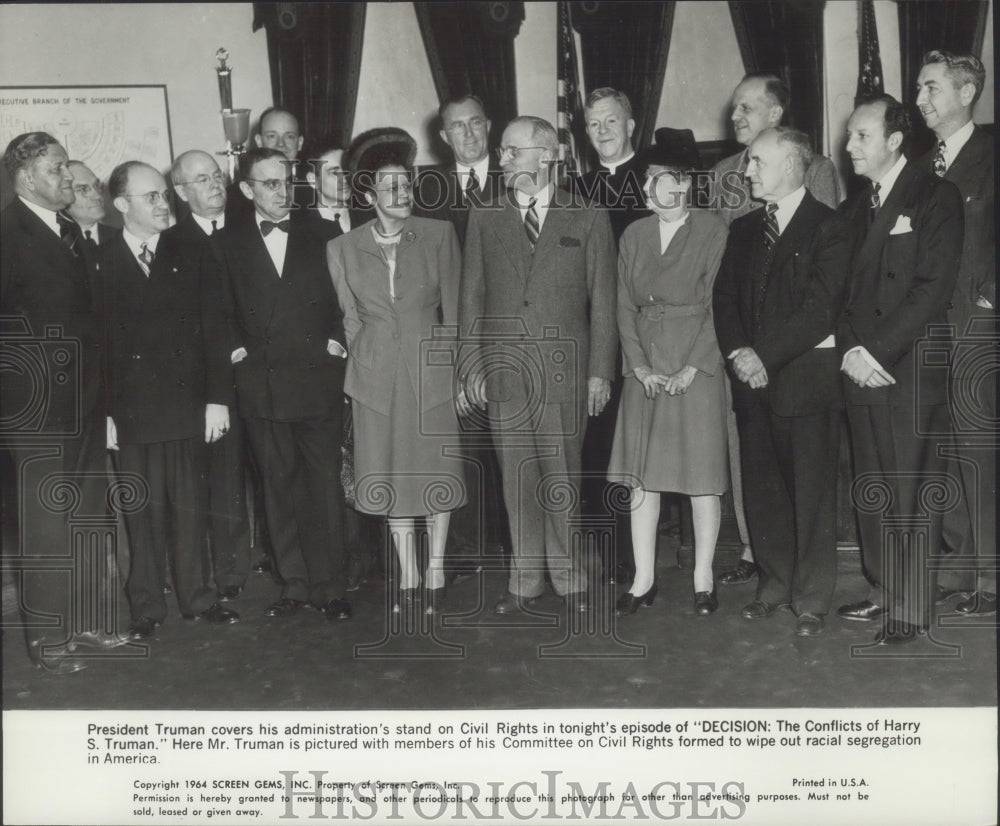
496,336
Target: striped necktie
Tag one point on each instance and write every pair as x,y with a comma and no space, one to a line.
876,202
145,258
471,185
771,226
69,233
940,167
531,223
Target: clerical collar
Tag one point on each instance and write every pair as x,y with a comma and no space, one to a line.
613,168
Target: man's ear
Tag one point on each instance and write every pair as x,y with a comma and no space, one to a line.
895,141
257,140
121,204
179,192
246,190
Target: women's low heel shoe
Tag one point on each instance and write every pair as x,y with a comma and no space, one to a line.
629,603
706,602
433,597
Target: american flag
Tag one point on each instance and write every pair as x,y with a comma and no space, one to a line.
569,116
869,60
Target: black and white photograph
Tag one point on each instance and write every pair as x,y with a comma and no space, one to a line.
481,411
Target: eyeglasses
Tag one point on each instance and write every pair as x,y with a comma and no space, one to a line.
271,184
514,151
152,198
97,188
204,180
459,127
402,186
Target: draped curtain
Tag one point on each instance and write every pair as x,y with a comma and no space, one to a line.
624,45
470,48
785,37
314,51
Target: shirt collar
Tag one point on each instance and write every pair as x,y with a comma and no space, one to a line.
668,229
47,215
135,244
206,223
542,198
787,207
953,145
482,171
889,179
260,218
613,168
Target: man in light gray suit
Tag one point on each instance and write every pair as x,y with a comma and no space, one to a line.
537,315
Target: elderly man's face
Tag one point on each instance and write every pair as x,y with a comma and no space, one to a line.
88,208
524,162
331,183
610,130
753,110
767,167
202,185
280,131
269,188
466,130
48,180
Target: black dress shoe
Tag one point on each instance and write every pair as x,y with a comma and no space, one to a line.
577,602
98,639
864,611
262,566
433,597
628,603
406,601
284,607
809,625
59,664
745,570
513,603
706,602
942,594
142,628
217,615
230,593
337,609
897,632
980,604
759,609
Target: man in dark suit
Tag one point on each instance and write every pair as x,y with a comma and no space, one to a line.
909,228
199,183
88,209
287,347
948,87
777,297
166,398
448,192
54,416
537,305
277,129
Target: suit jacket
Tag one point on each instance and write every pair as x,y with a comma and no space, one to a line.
972,173
437,193
556,304
158,341
55,333
729,191
900,282
621,194
283,322
785,312
383,333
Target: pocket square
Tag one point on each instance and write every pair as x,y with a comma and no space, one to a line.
566,241
902,225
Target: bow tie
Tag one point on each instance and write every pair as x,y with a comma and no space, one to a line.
267,226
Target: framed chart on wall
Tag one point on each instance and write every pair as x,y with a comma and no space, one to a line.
99,125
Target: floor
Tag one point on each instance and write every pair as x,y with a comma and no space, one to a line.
664,656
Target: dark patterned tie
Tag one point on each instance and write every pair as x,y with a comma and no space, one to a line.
145,258
531,223
90,241
940,167
876,202
267,226
771,226
215,227
69,233
471,185
337,224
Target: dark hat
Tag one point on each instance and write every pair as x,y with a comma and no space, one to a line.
380,147
674,149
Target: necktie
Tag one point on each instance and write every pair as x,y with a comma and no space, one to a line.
875,203
215,227
531,223
88,239
267,226
336,222
471,185
771,226
940,167
145,258
69,232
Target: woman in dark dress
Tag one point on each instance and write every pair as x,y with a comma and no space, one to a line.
671,430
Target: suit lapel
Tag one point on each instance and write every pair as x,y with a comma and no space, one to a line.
510,230
885,218
790,239
557,222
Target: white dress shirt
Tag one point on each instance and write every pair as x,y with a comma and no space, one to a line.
954,144
341,214
206,223
135,245
47,215
542,200
668,229
276,242
482,170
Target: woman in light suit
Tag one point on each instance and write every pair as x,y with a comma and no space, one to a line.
671,430
397,279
